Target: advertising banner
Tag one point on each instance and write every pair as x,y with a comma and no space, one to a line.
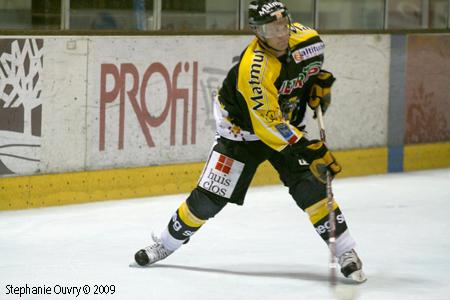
151,98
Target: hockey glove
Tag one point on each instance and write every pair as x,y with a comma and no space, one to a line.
321,91
318,156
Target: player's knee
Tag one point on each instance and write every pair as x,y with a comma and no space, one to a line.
202,205
308,192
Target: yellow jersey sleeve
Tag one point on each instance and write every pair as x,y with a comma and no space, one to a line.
258,72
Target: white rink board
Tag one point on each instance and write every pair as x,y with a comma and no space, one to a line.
64,109
139,71
358,115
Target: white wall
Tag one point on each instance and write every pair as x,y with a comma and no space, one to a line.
64,105
358,115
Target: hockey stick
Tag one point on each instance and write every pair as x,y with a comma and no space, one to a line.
330,200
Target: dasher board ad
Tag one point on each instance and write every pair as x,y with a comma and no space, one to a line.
152,98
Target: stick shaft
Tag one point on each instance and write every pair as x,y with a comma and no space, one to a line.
330,201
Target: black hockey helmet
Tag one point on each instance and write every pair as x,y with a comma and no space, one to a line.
265,11
268,18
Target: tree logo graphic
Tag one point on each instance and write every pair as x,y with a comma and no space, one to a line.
21,62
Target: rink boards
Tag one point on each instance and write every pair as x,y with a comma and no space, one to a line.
79,187
91,118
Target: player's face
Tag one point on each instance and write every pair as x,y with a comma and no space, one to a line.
276,34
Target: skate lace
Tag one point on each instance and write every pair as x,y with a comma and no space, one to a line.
347,258
156,251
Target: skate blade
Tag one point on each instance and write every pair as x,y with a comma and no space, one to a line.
135,265
358,276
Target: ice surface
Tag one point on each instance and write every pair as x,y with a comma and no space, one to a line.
266,249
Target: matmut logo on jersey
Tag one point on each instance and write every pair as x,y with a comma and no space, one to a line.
308,52
255,79
221,175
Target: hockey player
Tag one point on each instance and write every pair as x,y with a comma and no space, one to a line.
259,112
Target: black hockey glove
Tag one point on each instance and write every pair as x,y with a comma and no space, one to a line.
318,156
321,91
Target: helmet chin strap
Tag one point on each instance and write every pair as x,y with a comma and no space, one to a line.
270,48
266,45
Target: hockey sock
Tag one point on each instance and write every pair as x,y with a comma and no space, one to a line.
344,243
182,225
318,215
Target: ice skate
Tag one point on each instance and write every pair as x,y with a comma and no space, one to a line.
351,266
151,254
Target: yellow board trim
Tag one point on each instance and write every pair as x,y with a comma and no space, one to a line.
319,210
70,188
362,162
23,192
426,156
188,217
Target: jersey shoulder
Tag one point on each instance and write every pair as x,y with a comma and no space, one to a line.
255,50
301,34
257,64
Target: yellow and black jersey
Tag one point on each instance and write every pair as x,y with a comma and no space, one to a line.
264,97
